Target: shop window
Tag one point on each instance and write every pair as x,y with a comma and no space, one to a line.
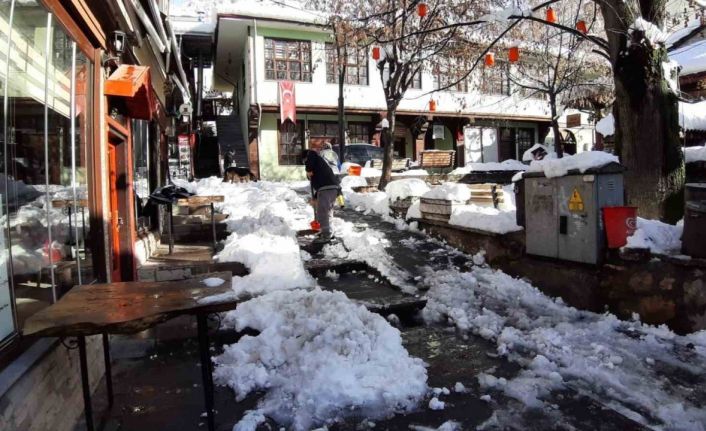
291,142
288,60
321,132
359,133
143,139
356,65
45,135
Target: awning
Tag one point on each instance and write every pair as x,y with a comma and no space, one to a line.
133,83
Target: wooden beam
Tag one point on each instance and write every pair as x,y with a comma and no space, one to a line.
91,22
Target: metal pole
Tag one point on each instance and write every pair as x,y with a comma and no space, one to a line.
83,363
206,369
170,228
108,368
213,226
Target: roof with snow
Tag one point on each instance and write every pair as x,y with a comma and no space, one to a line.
691,57
692,116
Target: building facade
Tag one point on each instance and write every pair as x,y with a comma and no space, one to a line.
86,91
258,46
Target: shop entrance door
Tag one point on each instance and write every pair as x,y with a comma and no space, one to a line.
114,213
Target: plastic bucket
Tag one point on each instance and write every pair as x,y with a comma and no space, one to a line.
315,225
354,171
620,223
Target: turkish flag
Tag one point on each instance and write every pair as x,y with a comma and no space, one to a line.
287,104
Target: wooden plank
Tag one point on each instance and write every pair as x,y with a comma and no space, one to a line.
129,307
197,201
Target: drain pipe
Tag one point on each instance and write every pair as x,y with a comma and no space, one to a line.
257,101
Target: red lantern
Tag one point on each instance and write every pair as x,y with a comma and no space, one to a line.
422,10
432,105
376,53
551,15
490,59
581,26
513,54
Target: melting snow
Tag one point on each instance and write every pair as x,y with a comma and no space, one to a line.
660,238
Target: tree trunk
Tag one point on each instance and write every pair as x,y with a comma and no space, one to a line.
646,116
387,140
558,147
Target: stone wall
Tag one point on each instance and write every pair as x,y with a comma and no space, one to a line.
48,396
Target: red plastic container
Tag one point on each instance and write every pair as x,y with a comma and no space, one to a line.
354,171
620,223
315,225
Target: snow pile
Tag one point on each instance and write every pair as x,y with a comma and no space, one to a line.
507,165
695,154
348,182
450,192
606,125
660,238
411,172
527,156
401,189
414,211
375,202
321,358
593,354
581,162
486,219
263,218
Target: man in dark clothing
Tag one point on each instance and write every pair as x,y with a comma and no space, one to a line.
325,188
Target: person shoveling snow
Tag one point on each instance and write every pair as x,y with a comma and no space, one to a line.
325,189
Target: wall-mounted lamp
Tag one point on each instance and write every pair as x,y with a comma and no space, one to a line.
119,41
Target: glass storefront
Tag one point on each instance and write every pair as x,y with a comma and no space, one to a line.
46,129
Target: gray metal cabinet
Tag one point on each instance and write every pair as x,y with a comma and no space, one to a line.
564,214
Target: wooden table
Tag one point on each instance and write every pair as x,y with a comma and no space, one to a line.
127,308
195,201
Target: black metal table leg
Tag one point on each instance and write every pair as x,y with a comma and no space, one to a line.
206,369
71,232
83,363
108,369
213,226
170,225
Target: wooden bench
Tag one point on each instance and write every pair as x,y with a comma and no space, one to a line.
487,194
437,159
397,164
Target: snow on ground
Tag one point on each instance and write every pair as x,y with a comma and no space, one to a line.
660,238
320,357
597,355
263,218
401,189
507,165
581,161
483,218
450,192
695,154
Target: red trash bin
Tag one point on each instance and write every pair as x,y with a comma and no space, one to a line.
620,223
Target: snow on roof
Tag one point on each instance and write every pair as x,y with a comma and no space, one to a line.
507,165
582,162
691,57
692,116
695,154
683,32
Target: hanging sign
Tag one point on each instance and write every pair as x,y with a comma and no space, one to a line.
438,131
287,103
576,202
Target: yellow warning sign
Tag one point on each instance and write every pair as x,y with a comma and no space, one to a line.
576,202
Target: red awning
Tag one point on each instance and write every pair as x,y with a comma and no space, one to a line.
133,83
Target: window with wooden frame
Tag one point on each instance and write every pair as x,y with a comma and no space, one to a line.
416,81
448,80
290,143
321,132
359,133
356,65
496,79
288,60
524,139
